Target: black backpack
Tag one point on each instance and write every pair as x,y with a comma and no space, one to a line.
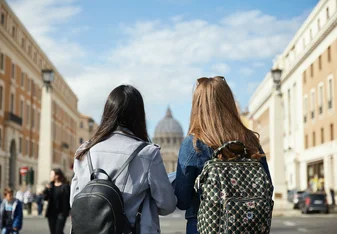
99,207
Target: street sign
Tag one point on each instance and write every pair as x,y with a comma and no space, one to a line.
24,170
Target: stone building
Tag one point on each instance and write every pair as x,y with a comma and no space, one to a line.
169,135
87,126
304,116
21,88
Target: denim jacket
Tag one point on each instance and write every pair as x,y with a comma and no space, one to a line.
190,165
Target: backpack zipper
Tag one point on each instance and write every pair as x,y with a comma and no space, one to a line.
112,189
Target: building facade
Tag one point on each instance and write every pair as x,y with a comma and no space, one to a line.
308,104
21,62
169,135
86,128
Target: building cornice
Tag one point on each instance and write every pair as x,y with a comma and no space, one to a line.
301,59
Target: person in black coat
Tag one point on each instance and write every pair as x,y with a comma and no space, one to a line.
57,193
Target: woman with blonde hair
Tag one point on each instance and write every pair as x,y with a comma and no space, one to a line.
214,120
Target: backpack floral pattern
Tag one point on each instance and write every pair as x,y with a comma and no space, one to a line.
236,197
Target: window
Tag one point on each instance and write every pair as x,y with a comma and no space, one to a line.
304,77
329,53
305,108
81,125
31,149
33,117
23,43
289,111
2,19
306,142
327,13
13,31
320,99
27,114
332,137
322,135
27,147
33,88
35,57
311,70
29,50
81,140
12,103
330,93
313,102
313,139
20,145
13,70
2,62
22,79
1,95
28,85
320,62
0,138
21,109
319,24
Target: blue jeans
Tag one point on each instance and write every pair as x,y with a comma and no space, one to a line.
191,226
9,231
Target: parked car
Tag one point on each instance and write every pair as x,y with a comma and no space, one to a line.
314,202
297,198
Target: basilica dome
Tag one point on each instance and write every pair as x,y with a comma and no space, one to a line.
169,135
168,126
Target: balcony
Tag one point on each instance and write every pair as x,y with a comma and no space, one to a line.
14,118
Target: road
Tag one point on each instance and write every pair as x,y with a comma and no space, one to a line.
175,224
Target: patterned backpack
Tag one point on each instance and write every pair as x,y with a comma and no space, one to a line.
236,195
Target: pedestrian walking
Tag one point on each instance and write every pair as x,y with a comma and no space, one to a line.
11,214
121,141
332,193
28,199
57,193
214,123
39,199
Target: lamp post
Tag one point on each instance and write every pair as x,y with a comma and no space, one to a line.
45,157
277,162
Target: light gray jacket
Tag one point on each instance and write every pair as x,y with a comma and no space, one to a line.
147,178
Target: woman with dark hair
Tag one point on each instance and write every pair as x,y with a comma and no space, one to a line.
214,120
57,193
121,132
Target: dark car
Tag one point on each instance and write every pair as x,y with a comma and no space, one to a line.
314,202
297,198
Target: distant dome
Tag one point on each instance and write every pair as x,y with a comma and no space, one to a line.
168,125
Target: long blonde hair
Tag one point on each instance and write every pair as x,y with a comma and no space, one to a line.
215,119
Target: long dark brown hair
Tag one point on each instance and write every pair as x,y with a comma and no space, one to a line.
61,177
123,108
215,118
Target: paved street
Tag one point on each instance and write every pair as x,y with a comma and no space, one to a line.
175,224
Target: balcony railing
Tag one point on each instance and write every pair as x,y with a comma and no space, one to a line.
14,118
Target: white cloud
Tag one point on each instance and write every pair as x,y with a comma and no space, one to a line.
221,68
246,71
161,58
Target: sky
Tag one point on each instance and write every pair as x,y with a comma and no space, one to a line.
161,46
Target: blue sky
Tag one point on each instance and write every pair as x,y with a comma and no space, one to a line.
161,46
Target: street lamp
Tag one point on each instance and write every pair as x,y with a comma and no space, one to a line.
276,75
48,77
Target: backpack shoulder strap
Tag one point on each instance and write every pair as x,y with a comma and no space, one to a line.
133,155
